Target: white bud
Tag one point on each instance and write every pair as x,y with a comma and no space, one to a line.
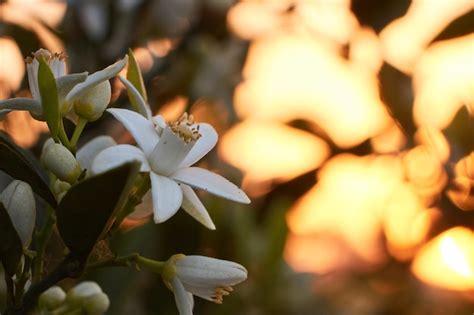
52,298
92,104
82,291
61,162
96,304
19,201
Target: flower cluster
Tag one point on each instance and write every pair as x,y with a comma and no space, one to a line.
165,155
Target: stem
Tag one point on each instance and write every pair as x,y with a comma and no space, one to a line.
10,290
43,237
124,261
141,187
152,265
77,133
20,284
63,136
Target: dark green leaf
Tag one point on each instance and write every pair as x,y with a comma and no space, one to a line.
134,75
11,248
49,97
20,164
88,209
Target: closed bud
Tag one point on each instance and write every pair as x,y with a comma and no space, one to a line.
52,298
61,162
82,291
92,104
19,201
96,304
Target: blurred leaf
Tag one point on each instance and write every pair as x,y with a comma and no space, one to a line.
19,164
11,248
49,97
275,230
88,209
134,75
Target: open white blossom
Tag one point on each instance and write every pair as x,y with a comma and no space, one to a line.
167,152
206,277
72,88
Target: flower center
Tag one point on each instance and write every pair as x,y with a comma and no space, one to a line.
46,56
185,128
219,294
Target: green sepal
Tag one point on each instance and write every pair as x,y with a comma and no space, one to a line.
134,75
49,97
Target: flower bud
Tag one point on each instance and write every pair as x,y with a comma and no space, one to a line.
19,201
96,304
52,298
61,162
82,291
92,104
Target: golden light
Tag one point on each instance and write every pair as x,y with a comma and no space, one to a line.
391,140
405,39
24,130
435,141
462,191
447,261
290,77
424,171
331,20
33,16
444,82
13,66
173,109
267,150
347,201
251,19
319,254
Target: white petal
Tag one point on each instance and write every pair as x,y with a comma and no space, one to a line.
58,66
66,83
86,155
117,155
203,145
167,197
96,78
194,207
32,71
22,103
211,182
184,300
206,292
201,271
143,109
169,152
141,129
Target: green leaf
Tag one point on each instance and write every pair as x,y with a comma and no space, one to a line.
49,97
11,248
87,211
20,164
134,75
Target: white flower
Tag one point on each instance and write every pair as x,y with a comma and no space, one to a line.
72,88
19,201
206,277
167,153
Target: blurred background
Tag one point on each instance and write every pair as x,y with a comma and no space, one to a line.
348,123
